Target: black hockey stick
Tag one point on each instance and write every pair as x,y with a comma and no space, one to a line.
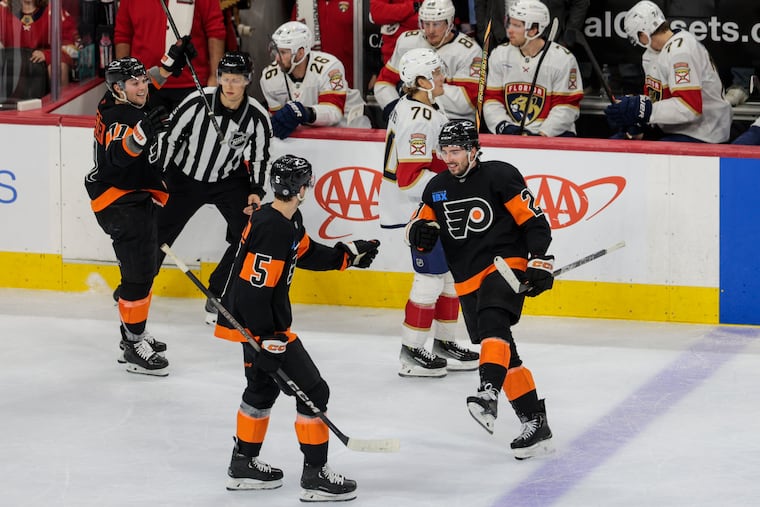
198,86
514,283
547,46
572,36
379,445
483,74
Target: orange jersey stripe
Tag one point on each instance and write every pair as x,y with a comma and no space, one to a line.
261,270
519,209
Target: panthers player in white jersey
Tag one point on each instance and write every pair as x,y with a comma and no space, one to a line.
305,87
410,162
555,100
460,53
683,94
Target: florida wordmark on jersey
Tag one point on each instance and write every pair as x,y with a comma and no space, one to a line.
686,90
323,87
462,57
410,159
491,212
555,105
192,145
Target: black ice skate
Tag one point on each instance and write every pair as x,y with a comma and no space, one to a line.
457,357
483,406
246,472
211,312
157,346
419,362
141,358
320,484
535,436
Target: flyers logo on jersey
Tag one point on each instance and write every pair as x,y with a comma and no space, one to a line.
681,71
417,144
473,214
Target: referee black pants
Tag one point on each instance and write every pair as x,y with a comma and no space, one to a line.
186,196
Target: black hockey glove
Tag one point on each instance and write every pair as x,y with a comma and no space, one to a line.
272,352
174,60
507,129
155,121
289,117
629,110
360,253
539,275
423,234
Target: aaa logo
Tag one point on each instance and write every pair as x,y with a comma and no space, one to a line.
350,193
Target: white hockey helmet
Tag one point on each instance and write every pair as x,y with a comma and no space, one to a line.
645,17
531,12
436,10
419,62
293,35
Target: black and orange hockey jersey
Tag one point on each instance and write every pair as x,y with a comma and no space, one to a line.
490,212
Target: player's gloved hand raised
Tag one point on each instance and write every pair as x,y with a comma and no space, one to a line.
360,253
289,117
629,110
155,121
539,275
272,352
174,60
423,234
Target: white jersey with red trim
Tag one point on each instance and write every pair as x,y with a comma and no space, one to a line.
686,90
555,105
323,88
462,57
410,159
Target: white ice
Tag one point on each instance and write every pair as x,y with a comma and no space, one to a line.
643,414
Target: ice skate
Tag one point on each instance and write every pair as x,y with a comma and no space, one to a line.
157,346
320,484
483,406
247,472
141,358
419,362
211,312
458,358
535,435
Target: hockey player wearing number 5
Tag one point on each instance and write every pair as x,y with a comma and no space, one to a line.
257,296
478,210
126,187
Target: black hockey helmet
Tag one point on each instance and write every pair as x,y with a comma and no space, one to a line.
123,69
289,173
236,62
462,133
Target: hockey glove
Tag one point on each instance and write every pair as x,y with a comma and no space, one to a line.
289,117
174,60
155,121
507,129
539,275
360,253
629,110
272,352
423,234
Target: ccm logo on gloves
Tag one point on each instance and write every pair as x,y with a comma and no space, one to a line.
540,264
273,346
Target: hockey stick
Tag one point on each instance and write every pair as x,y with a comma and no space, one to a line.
379,445
198,86
547,46
509,275
483,74
572,36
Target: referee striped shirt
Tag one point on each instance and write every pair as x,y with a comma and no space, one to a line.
192,144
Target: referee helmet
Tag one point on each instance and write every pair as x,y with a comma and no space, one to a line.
236,62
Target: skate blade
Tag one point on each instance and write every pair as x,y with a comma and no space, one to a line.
487,421
133,368
456,365
122,360
537,450
416,371
249,484
312,495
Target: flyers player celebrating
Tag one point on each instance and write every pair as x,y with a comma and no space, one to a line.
555,102
683,94
410,162
459,52
257,296
478,210
125,186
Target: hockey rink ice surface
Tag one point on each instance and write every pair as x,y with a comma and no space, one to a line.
643,414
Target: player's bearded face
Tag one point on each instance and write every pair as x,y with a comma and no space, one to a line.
136,90
284,58
456,159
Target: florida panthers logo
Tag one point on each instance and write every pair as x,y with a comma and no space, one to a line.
473,214
653,88
516,98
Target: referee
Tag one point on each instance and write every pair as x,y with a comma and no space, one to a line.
202,170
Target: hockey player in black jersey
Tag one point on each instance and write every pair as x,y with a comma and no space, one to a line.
481,210
257,295
126,187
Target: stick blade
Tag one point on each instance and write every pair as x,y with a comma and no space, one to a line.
379,445
506,272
